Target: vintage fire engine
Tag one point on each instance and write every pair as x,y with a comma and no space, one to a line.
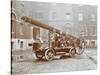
60,43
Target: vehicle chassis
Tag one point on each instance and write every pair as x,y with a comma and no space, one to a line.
50,53
74,47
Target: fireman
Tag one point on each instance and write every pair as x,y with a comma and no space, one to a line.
62,40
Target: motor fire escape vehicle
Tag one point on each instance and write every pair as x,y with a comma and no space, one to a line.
60,43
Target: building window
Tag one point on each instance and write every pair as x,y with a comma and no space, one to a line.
93,30
38,15
68,16
36,33
18,41
21,44
53,15
92,43
68,27
80,17
93,18
21,57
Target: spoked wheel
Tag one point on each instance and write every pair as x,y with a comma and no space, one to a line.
80,50
39,54
72,52
49,54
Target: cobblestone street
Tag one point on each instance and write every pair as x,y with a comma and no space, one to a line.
64,64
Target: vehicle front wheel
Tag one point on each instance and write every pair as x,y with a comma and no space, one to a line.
49,54
72,52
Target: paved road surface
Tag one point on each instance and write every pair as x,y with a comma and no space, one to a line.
65,64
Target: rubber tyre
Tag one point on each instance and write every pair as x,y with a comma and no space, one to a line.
49,54
72,52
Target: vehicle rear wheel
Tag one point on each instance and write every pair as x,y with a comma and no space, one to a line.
49,54
39,54
72,52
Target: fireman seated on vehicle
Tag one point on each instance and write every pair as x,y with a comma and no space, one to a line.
60,41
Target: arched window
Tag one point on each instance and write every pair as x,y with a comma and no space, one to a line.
68,27
80,17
